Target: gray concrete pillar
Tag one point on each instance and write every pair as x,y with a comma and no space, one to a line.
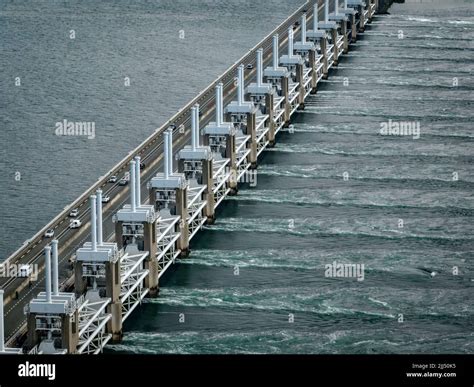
301,89
113,287
314,75
182,211
252,132
114,325
70,332
119,234
335,49
361,19
324,46
230,154
285,92
269,102
344,34
208,181
354,28
180,166
151,263
32,335
152,198
80,284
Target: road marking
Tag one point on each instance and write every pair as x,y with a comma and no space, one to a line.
22,298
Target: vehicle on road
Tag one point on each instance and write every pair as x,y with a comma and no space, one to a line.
125,179
74,213
112,179
76,223
49,233
142,165
105,199
24,271
249,66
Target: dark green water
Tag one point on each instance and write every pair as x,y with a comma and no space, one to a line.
303,214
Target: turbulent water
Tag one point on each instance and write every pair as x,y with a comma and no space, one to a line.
335,190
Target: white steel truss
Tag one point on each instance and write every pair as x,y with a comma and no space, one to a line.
92,321
132,274
221,175
195,210
241,155
166,237
262,131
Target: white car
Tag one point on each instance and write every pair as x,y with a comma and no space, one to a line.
74,213
76,223
24,271
49,233
105,199
123,181
112,179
